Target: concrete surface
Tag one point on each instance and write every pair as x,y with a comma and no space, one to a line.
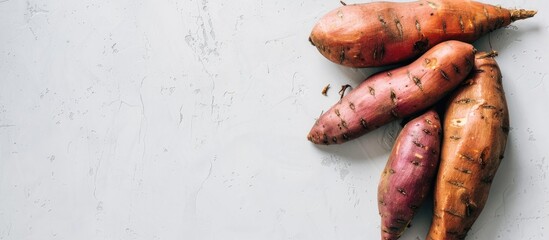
178,119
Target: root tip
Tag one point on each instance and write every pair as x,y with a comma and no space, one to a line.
518,14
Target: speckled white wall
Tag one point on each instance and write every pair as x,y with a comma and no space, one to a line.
184,119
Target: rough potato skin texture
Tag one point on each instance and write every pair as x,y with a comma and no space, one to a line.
382,33
476,125
394,94
409,173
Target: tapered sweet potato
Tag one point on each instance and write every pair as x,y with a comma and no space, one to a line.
393,94
408,175
381,33
476,125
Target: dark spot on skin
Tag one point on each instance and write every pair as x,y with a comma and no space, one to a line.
393,97
465,101
352,106
474,25
463,170
363,123
457,183
325,139
467,157
393,229
482,158
415,162
343,123
444,75
382,202
416,81
461,25
421,45
418,144
372,91
379,52
487,179
487,106
399,28
469,63
456,68
382,21
444,26
500,23
432,14
469,209
401,221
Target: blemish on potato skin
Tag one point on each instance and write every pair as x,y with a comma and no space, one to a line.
463,170
444,75
456,68
399,28
372,91
461,24
363,123
393,97
342,56
454,137
444,26
352,106
421,45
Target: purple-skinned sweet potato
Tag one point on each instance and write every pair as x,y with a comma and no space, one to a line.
408,174
394,94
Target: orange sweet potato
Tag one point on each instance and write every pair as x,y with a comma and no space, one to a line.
382,33
476,125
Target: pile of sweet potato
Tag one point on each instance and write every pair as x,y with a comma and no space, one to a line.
452,93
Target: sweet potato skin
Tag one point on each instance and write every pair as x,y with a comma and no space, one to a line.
393,94
476,125
409,173
382,33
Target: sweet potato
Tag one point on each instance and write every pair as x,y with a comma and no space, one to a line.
408,175
382,33
393,94
476,125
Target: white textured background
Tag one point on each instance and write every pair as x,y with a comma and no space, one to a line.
186,119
